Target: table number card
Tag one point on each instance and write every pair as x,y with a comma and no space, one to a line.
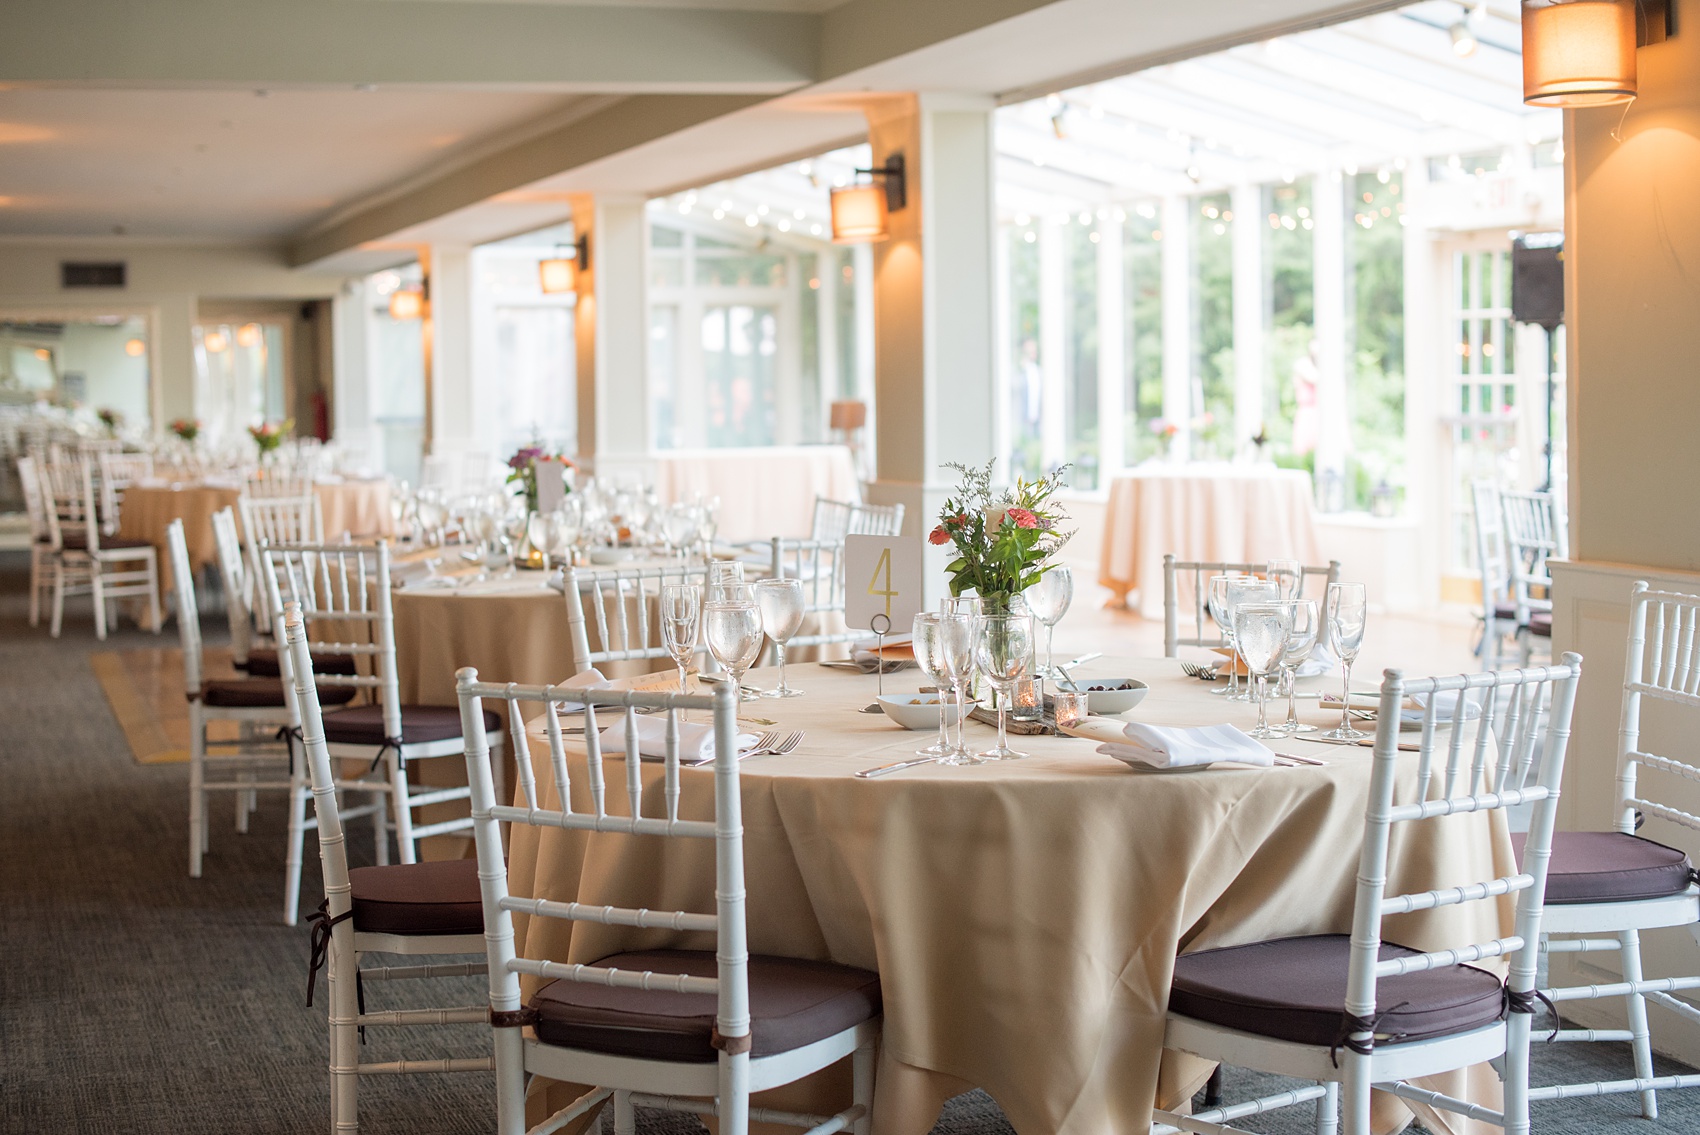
882,580
551,486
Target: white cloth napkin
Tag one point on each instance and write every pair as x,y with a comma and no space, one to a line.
696,741
1321,661
1445,703
1168,746
591,679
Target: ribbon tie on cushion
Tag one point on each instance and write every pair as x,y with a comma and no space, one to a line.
321,922
1519,1002
389,743
1351,1024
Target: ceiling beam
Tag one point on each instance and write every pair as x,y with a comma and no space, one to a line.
506,45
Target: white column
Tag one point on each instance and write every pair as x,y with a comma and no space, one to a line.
619,254
1112,350
1427,495
1249,304
934,305
826,331
1053,342
351,379
1177,321
451,411
867,353
173,358
1002,331
1329,281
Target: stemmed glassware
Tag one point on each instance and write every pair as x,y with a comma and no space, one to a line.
724,576
957,634
1261,631
1299,644
1246,589
1286,575
1049,601
732,629
781,603
1217,600
1346,614
1002,647
929,655
681,617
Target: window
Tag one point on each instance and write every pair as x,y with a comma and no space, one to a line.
239,378
1142,293
1212,328
524,347
1375,366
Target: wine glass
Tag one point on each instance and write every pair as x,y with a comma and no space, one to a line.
723,575
681,617
929,655
1299,644
1049,601
1346,611
1002,647
1285,574
1246,589
1216,598
956,643
1261,631
733,633
781,603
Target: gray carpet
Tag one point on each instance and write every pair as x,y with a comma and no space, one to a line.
134,998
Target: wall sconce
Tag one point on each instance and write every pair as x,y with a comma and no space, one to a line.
859,211
559,273
1579,53
135,348
215,342
249,335
407,303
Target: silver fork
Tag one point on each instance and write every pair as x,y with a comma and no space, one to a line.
764,744
1194,670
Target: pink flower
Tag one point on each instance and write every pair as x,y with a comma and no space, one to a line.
938,536
1023,518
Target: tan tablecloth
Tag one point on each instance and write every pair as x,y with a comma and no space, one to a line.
1223,513
360,508
1023,916
763,492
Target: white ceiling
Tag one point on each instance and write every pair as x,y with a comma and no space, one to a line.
229,164
706,5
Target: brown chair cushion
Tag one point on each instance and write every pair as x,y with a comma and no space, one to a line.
441,897
1540,623
1610,867
364,724
792,1003
120,543
263,664
257,693
1505,612
1294,989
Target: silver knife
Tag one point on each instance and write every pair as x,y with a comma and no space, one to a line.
870,773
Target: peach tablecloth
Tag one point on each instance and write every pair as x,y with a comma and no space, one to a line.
763,492
1024,915
1222,513
360,508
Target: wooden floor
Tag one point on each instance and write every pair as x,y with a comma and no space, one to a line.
144,687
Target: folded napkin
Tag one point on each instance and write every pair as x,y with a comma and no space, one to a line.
897,652
1166,746
1445,704
591,679
696,741
1321,661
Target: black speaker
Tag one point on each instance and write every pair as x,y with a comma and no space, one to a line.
1537,279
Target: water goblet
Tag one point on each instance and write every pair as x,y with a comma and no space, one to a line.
1002,649
1285,574
1049,601
1216,598
734,637
1299,645
681,617
1261,631
781,603
722,576
1246,589
956,651
929,655
1346,609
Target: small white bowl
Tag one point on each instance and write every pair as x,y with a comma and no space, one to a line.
1123,694
917,711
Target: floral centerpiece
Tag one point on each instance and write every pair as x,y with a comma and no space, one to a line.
269,435
186,429
111,419
522,469
1003,537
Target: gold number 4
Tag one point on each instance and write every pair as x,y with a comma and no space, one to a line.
883,565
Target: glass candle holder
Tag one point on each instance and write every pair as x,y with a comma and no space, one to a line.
1029,701
1070,708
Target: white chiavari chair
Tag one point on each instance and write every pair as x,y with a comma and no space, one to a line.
1313,582
117,472
819,566
276,520
421,910
1499,610
1534,534
345,589
267,484
1615,884
598,1024
238,584
43,556
834,520
258,708
1356,1012
105,569
621,605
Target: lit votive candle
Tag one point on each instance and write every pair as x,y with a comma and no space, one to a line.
1070,708
1029,703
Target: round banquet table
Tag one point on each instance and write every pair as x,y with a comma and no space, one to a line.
1023,915
359,508
1212,513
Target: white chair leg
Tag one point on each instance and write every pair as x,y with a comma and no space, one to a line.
381,828
298,796
625,1119
1356,1097
862,1087
345,1042
1641,1042
401,806
58,618
197,789
241,800
153,595
734,1100
510,1082
1515,1119
37,578
99,590
1328,1109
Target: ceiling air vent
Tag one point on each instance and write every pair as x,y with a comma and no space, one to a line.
91,275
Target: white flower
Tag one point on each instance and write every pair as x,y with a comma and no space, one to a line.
995,518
